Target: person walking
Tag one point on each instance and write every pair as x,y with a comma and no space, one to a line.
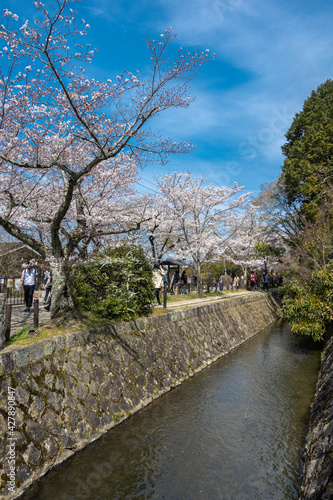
183,283
264,280
189,283
221,282
176,282
48,288
158,275
29,281
48,284
236,282
253,280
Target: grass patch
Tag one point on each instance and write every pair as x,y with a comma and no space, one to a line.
20,336
59,326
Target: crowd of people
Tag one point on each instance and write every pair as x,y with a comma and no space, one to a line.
180,284
265,280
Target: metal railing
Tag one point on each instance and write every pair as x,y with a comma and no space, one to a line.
11,287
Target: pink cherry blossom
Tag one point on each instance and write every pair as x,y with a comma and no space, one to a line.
71,146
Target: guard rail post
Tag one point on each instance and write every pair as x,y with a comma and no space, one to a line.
36,313
8,321
165,290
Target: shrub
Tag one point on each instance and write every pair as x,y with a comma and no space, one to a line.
308,306
118,285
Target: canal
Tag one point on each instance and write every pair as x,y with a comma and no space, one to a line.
234,431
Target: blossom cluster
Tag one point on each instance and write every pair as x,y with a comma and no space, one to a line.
71,148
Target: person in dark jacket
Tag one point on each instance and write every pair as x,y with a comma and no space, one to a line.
183,283
48,287
176,282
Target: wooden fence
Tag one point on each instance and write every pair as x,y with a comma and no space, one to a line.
11,287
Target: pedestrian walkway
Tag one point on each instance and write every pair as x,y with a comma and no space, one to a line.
204,300
20,318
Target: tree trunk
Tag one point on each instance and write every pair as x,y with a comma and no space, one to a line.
62,302
199,282
245,276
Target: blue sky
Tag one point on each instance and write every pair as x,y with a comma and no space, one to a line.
270,55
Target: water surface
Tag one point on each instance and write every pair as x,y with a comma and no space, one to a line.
235,431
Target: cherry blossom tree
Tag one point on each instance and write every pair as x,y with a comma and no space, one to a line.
240,247
158,233
254,244
203,216
71,146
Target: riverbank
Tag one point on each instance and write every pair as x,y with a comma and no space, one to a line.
20,318
317,481
23,331
70,390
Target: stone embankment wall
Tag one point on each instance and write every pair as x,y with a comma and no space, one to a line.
58,395
318,468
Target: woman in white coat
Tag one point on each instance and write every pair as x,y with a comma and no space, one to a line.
158,274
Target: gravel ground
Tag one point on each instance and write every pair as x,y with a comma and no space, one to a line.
21,318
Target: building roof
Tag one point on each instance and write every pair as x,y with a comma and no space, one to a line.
173,262
13,246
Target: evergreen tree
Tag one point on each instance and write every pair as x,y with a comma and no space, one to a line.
308,166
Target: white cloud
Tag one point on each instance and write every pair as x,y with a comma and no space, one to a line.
285,48
279,50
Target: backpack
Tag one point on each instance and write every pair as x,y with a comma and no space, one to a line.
26,272
252,277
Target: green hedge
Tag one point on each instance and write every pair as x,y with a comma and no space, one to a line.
308,306
118,286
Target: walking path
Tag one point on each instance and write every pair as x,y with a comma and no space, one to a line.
20,318
204,300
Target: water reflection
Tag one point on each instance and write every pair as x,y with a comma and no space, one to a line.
234,431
